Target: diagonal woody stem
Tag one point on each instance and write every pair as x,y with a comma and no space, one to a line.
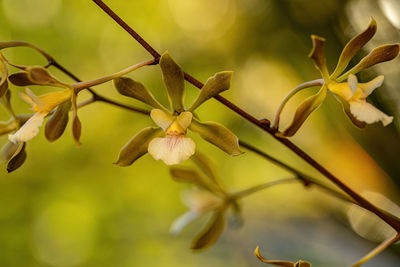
265,126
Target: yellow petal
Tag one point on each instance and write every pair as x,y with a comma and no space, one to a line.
173,149
184,119
162,118
369,87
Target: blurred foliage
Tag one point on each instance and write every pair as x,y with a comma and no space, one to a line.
69,206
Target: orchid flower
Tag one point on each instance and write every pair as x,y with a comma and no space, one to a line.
168,142
351,94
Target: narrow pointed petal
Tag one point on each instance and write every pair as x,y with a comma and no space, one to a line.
76,122
128,87
217,135
7,151
172,149
137,146
182,221
369,87
303,111
162,118
352,82
366,112
184,119
212,231
174,81
220,82
317,55
17,159
378,55
3,81
352,47
29,130
184,175
56,124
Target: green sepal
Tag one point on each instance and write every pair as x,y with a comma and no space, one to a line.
218,135
137,146
17,159
20,78
282,263
76,123
220,82
128,87
212,231
7,126
185,175
8,150
353,46
173,77
317,55
3,81
303,111
377,55
56,124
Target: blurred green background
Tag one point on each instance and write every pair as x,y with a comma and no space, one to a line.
70,206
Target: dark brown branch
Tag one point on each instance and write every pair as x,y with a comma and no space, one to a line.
264,125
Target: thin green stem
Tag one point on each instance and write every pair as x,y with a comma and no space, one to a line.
83,85
257,188
318,82
377,250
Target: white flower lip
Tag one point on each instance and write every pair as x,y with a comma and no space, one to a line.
172,149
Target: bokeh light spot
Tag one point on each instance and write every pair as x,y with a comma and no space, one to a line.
63,234
31,14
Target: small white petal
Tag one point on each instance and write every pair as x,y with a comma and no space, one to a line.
172,149
352,82
370,86
366,112
29,130
182,221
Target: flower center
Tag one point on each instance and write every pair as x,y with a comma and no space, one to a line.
175,129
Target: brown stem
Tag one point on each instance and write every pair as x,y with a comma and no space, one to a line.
264,125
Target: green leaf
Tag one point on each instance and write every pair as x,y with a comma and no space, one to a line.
218,135
137,146
17,159
131,88
212,231
56,124
317,55
8,150
174,81
303,111
353,46
220,82
378,55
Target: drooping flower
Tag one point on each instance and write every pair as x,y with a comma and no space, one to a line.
168,142
351,94
209,197
42,106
